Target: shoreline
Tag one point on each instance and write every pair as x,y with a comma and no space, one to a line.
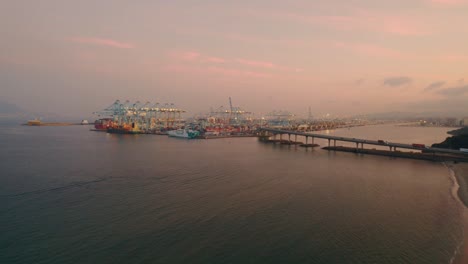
460,171
459,174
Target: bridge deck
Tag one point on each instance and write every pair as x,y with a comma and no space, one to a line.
364,141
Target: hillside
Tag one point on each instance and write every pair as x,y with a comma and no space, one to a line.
457,141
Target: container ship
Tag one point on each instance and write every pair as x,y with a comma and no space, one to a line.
124,129
103,124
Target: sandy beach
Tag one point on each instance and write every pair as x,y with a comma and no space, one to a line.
461,174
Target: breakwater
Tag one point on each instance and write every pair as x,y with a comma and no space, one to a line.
55,124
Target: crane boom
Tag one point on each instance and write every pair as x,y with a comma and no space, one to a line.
230,112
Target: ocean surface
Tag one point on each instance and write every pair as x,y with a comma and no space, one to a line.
69,195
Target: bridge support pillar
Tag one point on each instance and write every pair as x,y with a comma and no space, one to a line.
328,142
334,143
357,146
289,137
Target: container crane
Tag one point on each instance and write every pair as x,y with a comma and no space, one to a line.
230,111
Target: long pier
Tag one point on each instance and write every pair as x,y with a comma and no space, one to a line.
359,142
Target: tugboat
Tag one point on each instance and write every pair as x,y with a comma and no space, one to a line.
34,122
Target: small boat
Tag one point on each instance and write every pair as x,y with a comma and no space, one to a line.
184,133
34,122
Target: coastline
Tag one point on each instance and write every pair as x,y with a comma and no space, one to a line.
459,172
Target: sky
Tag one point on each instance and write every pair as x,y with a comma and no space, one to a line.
338,57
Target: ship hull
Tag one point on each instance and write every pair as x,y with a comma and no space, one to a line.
183,133
103,124
122,131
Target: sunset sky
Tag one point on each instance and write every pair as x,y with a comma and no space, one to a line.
339,57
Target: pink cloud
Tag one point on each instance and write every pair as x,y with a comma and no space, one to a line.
262,40
360,20
399,25
453,57
214,70
448,2
262,64
243,38
194,57
369,49
191,55
197,57
102,42
238,73
202,60
268,65
215,60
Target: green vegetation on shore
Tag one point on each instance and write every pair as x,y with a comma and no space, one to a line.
457,141
459,132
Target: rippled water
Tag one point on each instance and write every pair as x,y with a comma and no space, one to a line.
74,196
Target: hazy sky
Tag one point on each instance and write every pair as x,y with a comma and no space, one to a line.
340,57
